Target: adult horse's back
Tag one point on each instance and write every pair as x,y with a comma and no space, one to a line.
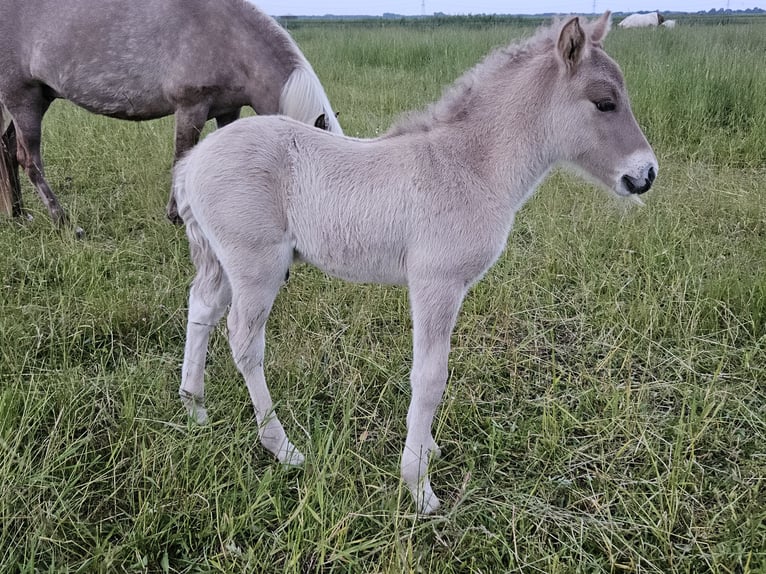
144,59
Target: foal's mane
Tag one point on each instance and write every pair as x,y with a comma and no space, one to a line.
456,98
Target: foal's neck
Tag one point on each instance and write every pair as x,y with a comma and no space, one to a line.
506,139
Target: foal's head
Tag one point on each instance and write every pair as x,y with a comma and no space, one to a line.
597,129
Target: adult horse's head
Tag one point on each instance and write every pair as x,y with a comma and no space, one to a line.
304,99
599,134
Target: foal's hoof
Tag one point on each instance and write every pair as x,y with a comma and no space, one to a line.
199,415
195,408
294,459
291,456
428,503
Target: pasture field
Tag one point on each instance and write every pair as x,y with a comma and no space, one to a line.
606,409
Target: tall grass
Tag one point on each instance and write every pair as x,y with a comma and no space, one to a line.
605,410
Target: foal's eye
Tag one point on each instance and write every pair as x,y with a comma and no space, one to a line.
605,105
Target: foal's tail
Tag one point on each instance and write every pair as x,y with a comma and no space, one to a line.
303,98
179,189
5,119
209,270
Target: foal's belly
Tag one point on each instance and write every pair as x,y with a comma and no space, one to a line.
357,265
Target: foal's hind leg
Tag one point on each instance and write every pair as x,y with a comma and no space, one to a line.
209,296
254,288
434,310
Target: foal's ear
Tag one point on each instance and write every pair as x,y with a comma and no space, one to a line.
571,45
601,27
321,123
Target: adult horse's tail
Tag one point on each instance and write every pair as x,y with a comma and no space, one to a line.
303,98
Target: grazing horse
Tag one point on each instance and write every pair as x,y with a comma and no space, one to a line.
144,59
428,205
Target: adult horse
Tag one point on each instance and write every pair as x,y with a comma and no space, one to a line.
428,205
144,59
647,20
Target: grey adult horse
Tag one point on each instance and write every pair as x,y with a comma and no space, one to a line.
429,205
144,59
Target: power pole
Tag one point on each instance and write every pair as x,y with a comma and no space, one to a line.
423,7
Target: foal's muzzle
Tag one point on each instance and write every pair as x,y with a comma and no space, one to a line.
639,185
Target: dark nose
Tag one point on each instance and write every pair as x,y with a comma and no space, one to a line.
638,186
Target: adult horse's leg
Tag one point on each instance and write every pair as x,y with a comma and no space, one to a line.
435,306
10,169
254,287
225,119
27,115
189,124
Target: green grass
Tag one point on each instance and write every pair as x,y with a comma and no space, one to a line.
606,410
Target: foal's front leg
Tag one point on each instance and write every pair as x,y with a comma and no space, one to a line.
434,310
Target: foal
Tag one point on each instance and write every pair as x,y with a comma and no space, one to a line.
429,205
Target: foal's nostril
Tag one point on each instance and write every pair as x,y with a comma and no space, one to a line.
635,187
651,175
628,182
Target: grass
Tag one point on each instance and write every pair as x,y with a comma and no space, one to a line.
605,412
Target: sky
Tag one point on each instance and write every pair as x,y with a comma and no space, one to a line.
414,7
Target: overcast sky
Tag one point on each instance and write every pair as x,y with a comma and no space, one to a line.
411,7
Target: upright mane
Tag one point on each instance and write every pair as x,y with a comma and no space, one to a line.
457,98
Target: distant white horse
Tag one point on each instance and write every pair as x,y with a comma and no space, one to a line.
642,20
429,205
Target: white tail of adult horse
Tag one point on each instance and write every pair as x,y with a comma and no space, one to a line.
429,205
